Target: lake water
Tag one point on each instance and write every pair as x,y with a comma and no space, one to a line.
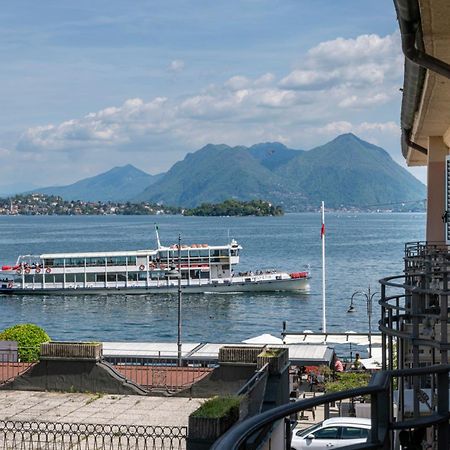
361,249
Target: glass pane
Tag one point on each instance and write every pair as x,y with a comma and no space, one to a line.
327,433
353,433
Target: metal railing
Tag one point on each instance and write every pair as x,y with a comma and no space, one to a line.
161,374
380,390
15,435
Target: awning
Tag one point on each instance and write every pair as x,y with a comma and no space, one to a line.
264,339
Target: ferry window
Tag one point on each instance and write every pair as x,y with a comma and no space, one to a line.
203,253
101,277
28,278
132,260
194,253
59,278
111,277
38,278
234,252
142,276
204,275
132,276
223,252
58,263
70,278
215,253
121,277
48,262
90,277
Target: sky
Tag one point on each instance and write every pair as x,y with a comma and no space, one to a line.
89,85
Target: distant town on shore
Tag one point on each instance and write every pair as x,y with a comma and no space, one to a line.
51,205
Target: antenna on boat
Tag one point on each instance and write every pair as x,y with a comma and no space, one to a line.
157,237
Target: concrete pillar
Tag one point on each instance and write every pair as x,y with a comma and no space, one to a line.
437,151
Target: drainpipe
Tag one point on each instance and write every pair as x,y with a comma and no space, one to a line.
409,34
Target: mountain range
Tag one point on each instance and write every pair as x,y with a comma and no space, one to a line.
119,184
346,171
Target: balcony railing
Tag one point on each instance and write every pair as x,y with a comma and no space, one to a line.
384,424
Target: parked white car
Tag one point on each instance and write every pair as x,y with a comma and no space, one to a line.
332,433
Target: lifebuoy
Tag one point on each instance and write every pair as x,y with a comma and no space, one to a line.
27,270
141,267
37,270
48,270
19,271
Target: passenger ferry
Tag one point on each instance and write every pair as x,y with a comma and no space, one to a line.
203,268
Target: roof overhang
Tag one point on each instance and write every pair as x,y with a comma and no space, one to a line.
426,94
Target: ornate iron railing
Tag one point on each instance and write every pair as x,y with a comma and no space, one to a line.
15,435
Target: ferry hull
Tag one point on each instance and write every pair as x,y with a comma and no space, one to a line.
290,285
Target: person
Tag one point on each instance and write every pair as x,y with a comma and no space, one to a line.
357,362
338,366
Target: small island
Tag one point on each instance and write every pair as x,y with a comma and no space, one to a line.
236,208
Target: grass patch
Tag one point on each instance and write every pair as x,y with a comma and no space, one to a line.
347,380
217,407
271,353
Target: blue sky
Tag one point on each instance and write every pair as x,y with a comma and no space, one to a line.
89,85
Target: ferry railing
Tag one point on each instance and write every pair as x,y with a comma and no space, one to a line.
19,435
385,428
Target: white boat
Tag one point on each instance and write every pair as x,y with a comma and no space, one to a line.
204,268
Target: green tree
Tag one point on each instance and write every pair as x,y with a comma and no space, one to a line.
29,338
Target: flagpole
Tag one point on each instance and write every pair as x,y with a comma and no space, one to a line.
324,316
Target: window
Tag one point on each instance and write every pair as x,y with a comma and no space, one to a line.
111,277
132,276
90,277
327,433
354,433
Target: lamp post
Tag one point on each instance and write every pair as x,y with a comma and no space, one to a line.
369,300
179,302
176,273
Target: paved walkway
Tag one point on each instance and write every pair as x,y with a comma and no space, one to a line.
95,408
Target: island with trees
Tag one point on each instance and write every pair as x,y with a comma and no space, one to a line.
236,208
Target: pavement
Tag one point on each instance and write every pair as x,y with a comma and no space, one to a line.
96,408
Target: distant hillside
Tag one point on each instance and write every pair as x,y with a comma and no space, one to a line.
213,174
118,184
344,172
351,172
273,154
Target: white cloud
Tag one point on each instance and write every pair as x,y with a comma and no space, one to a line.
323,98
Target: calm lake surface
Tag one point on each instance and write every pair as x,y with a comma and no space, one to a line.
361,249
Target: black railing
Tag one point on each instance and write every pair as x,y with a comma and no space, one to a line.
383,422
15,435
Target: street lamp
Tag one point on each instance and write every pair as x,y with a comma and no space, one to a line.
176,273
369,300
